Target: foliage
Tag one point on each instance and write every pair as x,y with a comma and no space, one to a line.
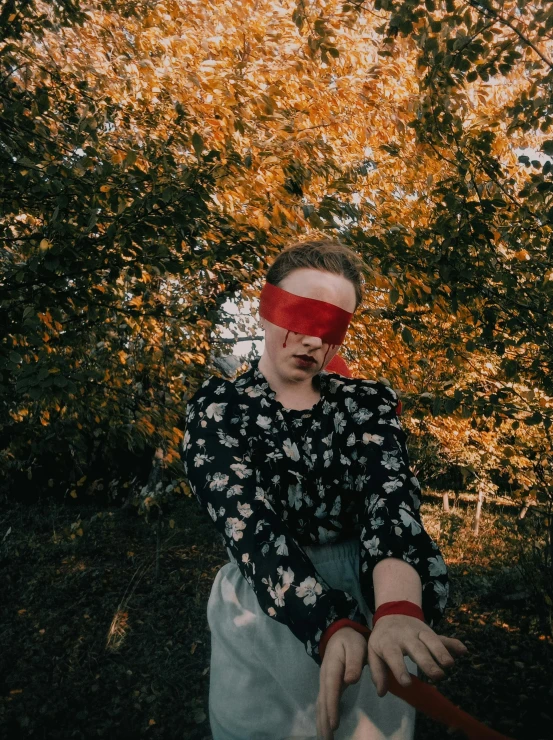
155,156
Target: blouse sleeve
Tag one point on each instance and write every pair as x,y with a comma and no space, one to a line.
217,459
390,516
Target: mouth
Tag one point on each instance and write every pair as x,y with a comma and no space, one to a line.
308,359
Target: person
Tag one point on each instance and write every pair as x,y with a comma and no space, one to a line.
305,474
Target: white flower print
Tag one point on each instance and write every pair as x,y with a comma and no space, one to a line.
339,422
384,408
320,513
281,546
218,482
226,439
254,391
372,546
408,521
362,416
215,411
337,506
278,594
295,496
291,450
200,459
351,440
259,526
246,560
286,576
376,523
328,439
234,527
327,535
392,485
351,405
345,460
308,590
235,490
436,566
186,440
375,502
327,457
442,591
390,461
244,510
271,612
374,438
369,388
212,512
264,422
241,470
260,495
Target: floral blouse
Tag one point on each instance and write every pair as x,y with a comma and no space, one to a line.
274,480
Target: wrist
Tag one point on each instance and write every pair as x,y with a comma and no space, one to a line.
338,625
407,608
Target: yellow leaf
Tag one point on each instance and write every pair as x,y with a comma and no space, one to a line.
45,244
522,255
79,532
73,494
152,722
172,523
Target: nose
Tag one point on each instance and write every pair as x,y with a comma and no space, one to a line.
314,342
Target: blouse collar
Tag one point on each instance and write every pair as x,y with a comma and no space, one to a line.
257,384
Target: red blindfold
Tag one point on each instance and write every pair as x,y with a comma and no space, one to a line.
306,316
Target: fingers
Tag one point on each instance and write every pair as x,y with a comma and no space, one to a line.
423,654
453,645
331,680
390,656
379,672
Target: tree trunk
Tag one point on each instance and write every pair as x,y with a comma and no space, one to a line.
446,502
481,496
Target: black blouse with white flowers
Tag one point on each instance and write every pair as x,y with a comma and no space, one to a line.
274,479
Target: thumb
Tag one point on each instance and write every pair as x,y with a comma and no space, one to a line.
379,672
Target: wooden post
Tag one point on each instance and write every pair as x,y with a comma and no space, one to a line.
524,510
481,496
446,502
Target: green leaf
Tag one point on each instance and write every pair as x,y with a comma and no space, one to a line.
407,337
197,143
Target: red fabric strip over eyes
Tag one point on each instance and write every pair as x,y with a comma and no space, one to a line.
304,315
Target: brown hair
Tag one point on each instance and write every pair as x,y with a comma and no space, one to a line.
323,254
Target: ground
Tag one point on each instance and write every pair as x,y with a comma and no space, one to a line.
101,638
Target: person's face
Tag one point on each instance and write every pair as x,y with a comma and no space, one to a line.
297,356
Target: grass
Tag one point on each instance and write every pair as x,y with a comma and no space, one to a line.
92,644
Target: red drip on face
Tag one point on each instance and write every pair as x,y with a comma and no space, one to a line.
330,346
286,338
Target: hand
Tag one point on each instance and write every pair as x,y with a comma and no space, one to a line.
397,635
344,659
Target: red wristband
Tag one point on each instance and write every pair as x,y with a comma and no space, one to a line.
337,626
398,607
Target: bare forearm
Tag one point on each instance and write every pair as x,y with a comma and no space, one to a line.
396,580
